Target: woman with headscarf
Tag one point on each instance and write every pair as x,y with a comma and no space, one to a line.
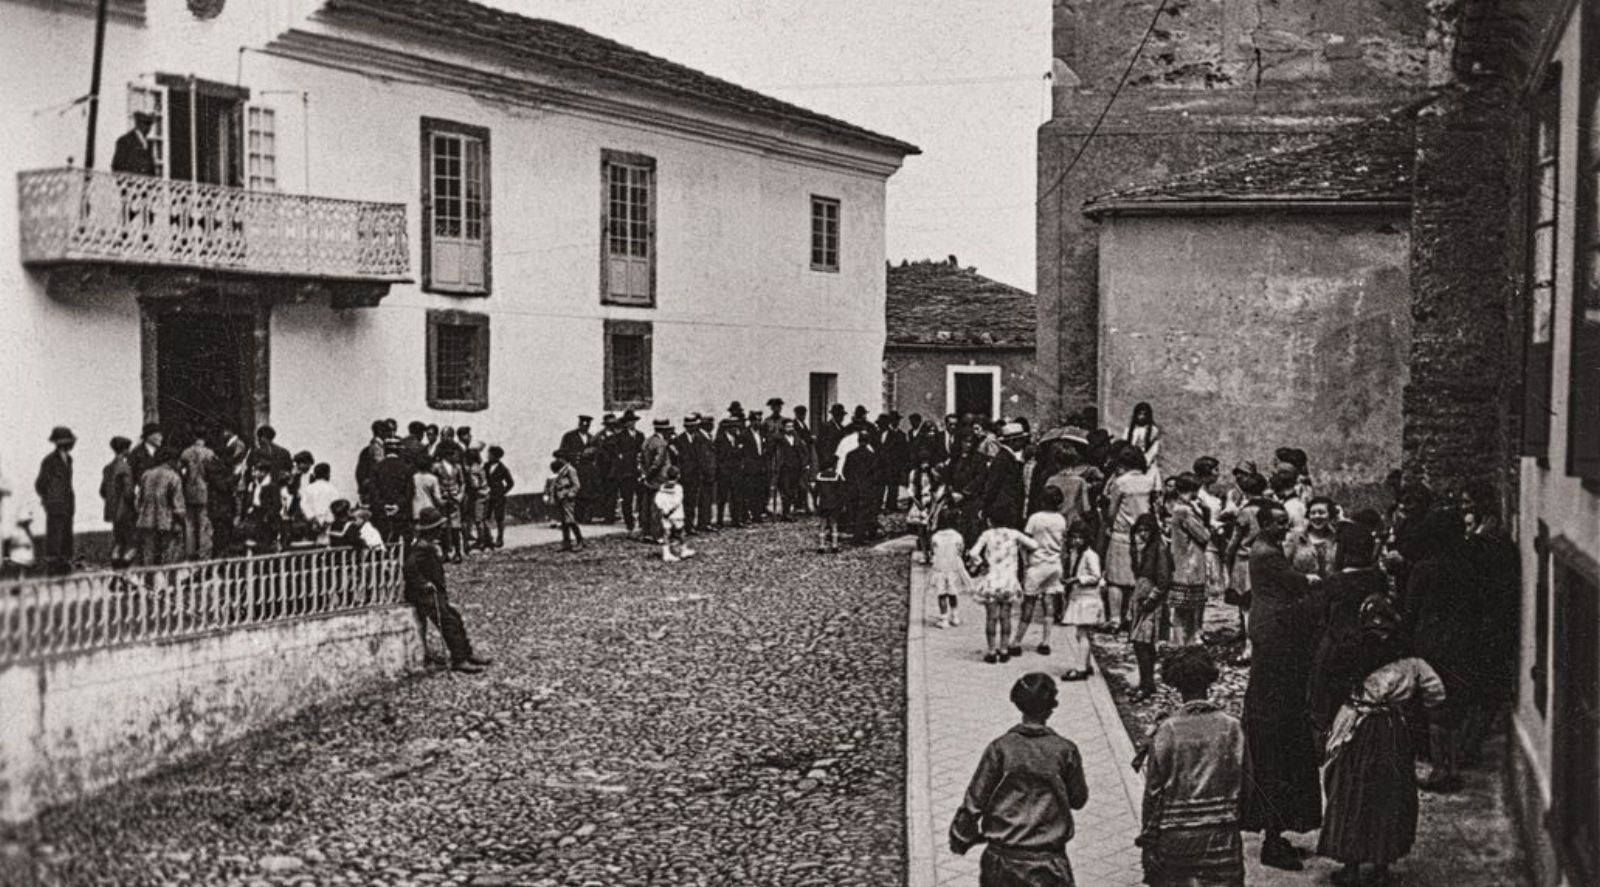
1282,792
1372,792
1442,608
1144,433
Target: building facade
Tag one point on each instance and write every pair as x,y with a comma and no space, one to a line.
424,210
957,342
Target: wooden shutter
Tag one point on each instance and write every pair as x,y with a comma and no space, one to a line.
1543,222
456,199
627,228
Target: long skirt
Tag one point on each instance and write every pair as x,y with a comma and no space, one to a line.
1203,856
1282,791
1012,868
1372,794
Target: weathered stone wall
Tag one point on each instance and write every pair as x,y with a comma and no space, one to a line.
920,379
75,724
1219,79
1250,332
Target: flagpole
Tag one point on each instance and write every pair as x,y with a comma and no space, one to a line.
94,84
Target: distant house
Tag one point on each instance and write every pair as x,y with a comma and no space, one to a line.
957,342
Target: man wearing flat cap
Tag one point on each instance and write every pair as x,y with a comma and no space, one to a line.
579,445
622,453
56,496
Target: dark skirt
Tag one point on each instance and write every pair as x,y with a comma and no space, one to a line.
1372,794
1282,789
1206,856
1008,868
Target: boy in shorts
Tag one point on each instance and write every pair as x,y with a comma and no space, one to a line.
669,504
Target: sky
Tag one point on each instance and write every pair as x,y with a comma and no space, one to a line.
961,79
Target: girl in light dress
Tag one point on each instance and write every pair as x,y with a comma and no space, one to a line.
948,579
1000,547
1084,608
1041,582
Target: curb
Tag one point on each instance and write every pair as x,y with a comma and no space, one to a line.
1105,708
919,790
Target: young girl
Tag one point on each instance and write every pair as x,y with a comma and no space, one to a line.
1041,588
1084,610
919,516
830,488
1152,570
948,579
998,587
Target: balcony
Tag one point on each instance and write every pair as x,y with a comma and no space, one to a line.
89,218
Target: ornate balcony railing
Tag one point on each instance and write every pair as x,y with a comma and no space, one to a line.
93,611
88,216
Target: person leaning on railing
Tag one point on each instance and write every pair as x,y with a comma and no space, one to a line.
425,589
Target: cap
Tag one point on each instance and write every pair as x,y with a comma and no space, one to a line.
774,401
836,410
61,433
429,519
662,423
628,416
583,418
150,428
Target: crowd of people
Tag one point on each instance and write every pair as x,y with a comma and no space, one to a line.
1373,638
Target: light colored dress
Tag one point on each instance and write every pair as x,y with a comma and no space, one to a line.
1130,493
1048,530
1084,606
949,574
1001,547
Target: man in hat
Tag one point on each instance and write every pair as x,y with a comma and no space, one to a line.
691,473
143,456
774,422
808,449
605,508
829,432
730,473
134,152
705,455
161,514
757,481
425,590
578,444
654,460
1003,498
54,486
895,460
624,455
788,467
196,462
117,490
393,493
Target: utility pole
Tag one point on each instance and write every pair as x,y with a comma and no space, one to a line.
94,81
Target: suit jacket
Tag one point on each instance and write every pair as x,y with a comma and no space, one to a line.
753,452
690,468
788,455
140,459
54,485
277,459
116,488
576,443
895,455
1003,497
730,452
829,433
196,462
134,155
705,454
161,500
654,461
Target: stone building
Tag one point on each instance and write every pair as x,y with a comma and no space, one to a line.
425,209
957,342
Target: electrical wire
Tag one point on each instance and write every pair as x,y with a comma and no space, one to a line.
1122,81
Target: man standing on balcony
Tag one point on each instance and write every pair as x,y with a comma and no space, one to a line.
425,590
54,486
134,153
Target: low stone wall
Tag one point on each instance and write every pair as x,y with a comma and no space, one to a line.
77,723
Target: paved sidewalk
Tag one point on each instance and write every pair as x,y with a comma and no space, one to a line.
956,704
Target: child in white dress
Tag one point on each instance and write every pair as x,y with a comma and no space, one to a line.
1041,582
948,579
1084,607
999,546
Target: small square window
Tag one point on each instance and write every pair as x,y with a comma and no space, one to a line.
458,360
628,382
824,234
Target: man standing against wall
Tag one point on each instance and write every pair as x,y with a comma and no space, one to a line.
54,486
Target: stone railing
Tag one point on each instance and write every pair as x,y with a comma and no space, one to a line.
79,216
93,611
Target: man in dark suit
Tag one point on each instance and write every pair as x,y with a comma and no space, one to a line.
267,452
1003,497
705,454
579,443
788,466
691,474
829,432
134,153
808,449
54,486
894,460
143,457
757,483
730,473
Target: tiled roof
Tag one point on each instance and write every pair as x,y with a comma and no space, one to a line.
1361,162
519,37
944,304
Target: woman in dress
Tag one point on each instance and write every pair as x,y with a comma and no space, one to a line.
1084,609
1128,497
1152,567
1372,792
1193,777
1355,578
999,547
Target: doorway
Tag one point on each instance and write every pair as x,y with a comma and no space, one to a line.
1575,802
208,367
824,393
204,131
973,390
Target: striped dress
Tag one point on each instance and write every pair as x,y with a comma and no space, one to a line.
1193,780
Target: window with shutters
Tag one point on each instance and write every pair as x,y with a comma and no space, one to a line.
1583,402
261,148
824,234
628,229
455,208
458,360
151,100
1542,208
628,384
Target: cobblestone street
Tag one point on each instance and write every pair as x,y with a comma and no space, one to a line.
736,719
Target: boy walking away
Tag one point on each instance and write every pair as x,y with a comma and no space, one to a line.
500,485
1021,797
669,504
564,487
830,490
1041,584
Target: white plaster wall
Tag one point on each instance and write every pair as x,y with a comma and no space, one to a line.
739,313
76,724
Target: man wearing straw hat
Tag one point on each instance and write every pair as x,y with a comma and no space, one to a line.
54,486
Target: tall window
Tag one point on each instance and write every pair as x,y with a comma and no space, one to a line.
824,234
627,268
151,100
1583,406
628,383
455,207
261,148
458,360
1543,202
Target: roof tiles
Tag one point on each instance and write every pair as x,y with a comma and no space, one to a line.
943,304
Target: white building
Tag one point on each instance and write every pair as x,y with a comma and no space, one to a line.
424,209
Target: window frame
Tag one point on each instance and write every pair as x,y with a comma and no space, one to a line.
645,330
437,318
823,250
1539,356
1583,381
430,128
257,152
645,164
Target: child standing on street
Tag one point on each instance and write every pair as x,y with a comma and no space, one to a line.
948,579
830,489
1152,570
500,483
1000,547
669,504
1041,583
564,487
1085,610
919,517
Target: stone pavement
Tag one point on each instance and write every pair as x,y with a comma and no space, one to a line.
956,704
542,533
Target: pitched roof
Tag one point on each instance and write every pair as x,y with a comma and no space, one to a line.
521,38
1364,162
943,304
